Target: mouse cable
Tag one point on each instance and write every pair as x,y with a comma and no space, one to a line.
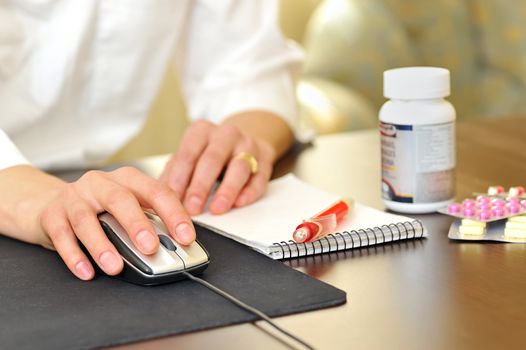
247,307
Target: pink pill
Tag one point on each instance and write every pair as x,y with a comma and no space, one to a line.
498,211
523,203
468,203
453,208
498,202
514,208
484,215
468,211
511,204
484,206
513,200
483,200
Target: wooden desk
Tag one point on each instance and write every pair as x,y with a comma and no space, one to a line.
426,294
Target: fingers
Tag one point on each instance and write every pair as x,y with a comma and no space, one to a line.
73,216
85,224
123,194
123,205
209,166
239,187
257,185
65,242
162,200
179,169
108,195
206,150
235,179
255,188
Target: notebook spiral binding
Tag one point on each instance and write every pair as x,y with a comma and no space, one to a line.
349,240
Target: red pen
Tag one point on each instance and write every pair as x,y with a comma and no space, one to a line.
321,224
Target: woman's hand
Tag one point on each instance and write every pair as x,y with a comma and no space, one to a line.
42,209
207,150
65,213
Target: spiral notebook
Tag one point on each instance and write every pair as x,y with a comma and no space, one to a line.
267,225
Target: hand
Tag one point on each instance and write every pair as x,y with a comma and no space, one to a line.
206,151
68,212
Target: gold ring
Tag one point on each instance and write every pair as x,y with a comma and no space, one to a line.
250,159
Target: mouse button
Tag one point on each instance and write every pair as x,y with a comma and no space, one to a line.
164,261
167,242
122,242
115,231
192,254
127,254
150,215
156,221
160,262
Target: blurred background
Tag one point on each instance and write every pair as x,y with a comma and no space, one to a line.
348,45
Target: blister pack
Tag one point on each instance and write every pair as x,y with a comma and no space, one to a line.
496,215
491,206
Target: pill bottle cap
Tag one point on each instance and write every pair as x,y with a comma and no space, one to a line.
416,83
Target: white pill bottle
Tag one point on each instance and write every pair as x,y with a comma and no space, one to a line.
417,130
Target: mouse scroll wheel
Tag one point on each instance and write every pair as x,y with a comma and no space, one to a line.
167,243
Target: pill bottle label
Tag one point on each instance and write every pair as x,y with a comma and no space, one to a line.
418,162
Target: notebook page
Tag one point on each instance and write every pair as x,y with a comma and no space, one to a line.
286,204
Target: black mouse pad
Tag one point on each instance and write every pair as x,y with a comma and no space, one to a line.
42,305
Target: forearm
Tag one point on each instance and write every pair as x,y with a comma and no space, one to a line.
264,126
24,191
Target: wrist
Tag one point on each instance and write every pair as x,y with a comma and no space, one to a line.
26,192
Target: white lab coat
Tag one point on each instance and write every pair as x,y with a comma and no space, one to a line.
78,77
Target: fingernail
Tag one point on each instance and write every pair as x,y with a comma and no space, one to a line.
193,205
146,241
109,261
221,204
185,233
84,270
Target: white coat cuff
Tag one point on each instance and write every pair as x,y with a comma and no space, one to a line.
9,154
273,93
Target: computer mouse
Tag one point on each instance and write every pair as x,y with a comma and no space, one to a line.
165,266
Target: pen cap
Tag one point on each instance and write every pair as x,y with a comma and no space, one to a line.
305,232
315,228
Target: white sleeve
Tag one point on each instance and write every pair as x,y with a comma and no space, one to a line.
237,59
9,154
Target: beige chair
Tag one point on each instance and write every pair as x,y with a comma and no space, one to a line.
349,43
